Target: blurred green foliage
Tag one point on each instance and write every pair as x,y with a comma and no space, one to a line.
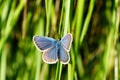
95,50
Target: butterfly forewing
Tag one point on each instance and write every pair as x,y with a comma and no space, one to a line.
66,41
43,43
50,55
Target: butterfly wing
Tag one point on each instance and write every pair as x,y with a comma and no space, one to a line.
63,56
43,43
50,55
66,41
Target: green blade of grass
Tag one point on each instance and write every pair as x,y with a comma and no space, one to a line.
70,77
109,45
4,63
71,67
87,20
107,53
40,31
4,11
118,46
79,20
48,5
67,13
117,56
58,71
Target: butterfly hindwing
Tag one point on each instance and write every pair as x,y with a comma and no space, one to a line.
50,55
63,56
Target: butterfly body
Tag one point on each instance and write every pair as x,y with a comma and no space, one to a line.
54,50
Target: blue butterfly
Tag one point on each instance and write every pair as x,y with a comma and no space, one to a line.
54,50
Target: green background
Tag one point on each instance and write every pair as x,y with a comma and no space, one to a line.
94,25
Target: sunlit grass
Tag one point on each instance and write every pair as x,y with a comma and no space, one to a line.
93,24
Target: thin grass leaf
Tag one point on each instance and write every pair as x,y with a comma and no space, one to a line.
87,20
48,5
40,31
79,20
4,63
